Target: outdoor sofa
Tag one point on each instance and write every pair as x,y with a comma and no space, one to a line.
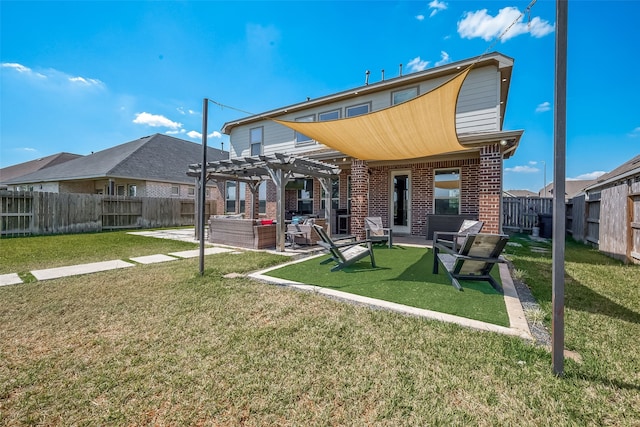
245,233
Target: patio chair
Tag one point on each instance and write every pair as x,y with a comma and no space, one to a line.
451,241
474,260
376,232
344,254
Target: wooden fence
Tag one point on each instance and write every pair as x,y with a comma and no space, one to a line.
610,220
36,213
521,213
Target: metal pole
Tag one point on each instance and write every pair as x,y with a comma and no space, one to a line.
560,111
545,178
203,181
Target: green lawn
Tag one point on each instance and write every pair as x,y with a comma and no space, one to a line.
22,254
404,275
160,345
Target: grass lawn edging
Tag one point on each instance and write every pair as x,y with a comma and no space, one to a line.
518,325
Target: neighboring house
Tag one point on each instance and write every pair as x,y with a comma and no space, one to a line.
519,193
404,192
627,173
572,188
152,166
21,169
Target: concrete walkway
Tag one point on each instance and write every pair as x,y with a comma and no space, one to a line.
186,235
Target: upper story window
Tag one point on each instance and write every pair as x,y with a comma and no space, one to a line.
403,95
329,115
256,140
133,190
175,190
357,110
446,191
301,138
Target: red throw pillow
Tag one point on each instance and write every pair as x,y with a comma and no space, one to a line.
266,221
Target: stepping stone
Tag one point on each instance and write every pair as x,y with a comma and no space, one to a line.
152,259
196,252
10,279
233,275
74,270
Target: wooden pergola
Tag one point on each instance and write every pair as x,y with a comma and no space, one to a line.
280,168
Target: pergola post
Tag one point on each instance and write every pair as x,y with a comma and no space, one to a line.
326,186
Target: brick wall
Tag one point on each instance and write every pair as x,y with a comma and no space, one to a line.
422,189
480,180
490,188
359,197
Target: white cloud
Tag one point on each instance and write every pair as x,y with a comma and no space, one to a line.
522,169
481,24
533,162
184,112
634,133
444,59
197,135
54,79
175,132
545,106
590,175
22,69
417,64
437,6
420,17
86,82
155,120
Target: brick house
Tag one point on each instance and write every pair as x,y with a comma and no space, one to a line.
408,193
151,166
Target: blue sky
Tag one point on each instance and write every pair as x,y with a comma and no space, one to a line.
85,76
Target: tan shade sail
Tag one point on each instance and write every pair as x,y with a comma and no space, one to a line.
421,127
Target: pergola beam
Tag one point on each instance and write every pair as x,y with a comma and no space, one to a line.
280,168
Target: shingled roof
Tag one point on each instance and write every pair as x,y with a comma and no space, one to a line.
155,157
14,171
627,169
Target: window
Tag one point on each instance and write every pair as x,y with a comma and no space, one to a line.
403,95
256,140
175,190
447,192
231,196
358,110
305,197
301,138
262,197
335,195
120,190
191,191
329,115
133,190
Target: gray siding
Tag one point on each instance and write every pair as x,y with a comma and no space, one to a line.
477,111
